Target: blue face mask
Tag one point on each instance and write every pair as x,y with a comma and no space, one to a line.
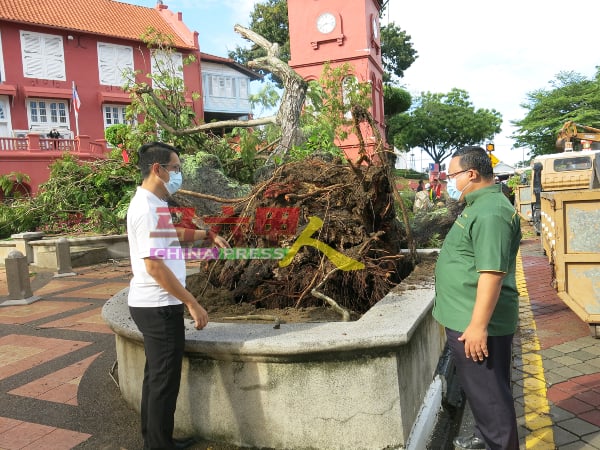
174,183
452,191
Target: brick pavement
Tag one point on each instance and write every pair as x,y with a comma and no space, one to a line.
56,355
557,366
55,358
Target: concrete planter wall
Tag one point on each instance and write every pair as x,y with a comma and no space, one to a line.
84,250
359,385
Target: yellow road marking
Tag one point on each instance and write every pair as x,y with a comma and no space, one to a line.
537,409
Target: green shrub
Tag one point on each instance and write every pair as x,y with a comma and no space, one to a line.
79,197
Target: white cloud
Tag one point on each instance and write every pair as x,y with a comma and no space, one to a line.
496,52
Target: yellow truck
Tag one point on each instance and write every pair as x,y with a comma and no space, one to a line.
564,198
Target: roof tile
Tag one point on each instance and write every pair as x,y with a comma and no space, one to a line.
103,17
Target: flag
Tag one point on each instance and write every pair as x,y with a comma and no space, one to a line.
76,100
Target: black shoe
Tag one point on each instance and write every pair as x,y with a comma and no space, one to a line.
180,444
466,442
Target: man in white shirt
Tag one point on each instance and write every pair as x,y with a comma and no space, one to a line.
157,292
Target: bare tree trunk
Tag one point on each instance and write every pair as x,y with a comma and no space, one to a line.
294,92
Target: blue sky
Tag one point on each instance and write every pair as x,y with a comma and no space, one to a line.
497,52
212,19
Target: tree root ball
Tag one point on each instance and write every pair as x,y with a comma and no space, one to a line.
356,218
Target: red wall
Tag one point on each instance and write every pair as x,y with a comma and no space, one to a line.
81,64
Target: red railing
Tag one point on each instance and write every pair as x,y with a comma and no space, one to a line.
16,144
59,145
35,143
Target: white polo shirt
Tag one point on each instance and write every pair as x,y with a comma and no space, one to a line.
151,234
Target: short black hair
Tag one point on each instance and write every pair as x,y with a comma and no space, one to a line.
474,157
154,152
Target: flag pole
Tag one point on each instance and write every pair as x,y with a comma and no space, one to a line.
76,103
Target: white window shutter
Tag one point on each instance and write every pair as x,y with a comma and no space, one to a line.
54,57
123,62
112,60
243,87
43,56
31,48
215,86
106,57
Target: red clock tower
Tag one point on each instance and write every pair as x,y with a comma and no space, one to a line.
338,32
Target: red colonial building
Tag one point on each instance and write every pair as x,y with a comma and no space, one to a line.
47,48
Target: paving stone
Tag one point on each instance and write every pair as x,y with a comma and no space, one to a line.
578,426
550,364
592,439
563,437
578,445
592,416
594,349
566,348
551,353
567,372
567,360
560,414
582,355
585,368
594,362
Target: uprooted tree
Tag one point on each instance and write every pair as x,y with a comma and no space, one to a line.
341,225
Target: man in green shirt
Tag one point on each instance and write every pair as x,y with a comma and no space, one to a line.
476,297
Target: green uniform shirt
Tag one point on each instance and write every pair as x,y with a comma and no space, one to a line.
485,237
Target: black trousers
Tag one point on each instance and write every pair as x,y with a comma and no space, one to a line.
488,390
164,341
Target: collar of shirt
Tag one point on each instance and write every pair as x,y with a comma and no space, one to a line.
471,197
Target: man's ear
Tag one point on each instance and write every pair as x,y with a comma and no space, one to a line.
155,168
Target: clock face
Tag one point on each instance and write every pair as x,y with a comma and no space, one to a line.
326,23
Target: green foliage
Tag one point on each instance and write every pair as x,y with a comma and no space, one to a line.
326,115
429,228
409,174
435,241
9,183
164,100
249,141
319,140
513,182
266,98
395,100
78,197
572,97
117,134
397,52
442,123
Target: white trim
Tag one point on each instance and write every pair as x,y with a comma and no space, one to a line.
422,429
121,116
48,124
5,103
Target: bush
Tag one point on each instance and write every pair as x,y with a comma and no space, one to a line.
79,197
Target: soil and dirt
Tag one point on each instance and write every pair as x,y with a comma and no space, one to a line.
223,307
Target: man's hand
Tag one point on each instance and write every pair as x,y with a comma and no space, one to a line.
219,241
199,315
476,334
475,340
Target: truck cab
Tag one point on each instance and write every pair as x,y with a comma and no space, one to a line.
562,172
